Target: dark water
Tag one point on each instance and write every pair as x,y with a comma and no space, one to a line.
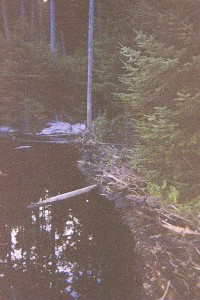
77,249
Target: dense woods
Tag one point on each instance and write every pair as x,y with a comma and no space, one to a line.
146,92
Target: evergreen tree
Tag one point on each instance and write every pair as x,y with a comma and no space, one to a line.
160,87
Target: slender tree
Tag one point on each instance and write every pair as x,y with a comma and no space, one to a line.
90,64
5,19
22,8
52,26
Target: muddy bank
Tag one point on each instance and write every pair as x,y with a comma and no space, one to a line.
169,245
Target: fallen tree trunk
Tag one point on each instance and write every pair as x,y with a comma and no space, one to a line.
63,196
142,201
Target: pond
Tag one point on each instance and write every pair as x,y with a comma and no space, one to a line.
77,249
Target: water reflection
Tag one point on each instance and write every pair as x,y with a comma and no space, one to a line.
73,250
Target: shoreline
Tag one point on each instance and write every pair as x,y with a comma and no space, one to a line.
170,259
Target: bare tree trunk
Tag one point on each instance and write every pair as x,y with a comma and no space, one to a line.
90,64
53,27
22,8
5,19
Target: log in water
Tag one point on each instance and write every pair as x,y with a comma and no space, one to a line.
62,197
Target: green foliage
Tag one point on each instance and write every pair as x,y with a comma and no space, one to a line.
33,114
158,95
149,68
23,75
116,130
190,208
165,106
166,19
33,88
101,128
111,27
168,192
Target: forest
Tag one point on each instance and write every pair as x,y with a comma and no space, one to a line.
109,209
146,80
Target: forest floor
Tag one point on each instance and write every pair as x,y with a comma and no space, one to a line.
168,243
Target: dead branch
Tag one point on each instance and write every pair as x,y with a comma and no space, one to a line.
136,200
179,230
108,175
188,163
197,251
176,216
142,201
166,291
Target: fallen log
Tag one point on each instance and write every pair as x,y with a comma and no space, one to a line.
63,196
179,230
143,201
42,142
